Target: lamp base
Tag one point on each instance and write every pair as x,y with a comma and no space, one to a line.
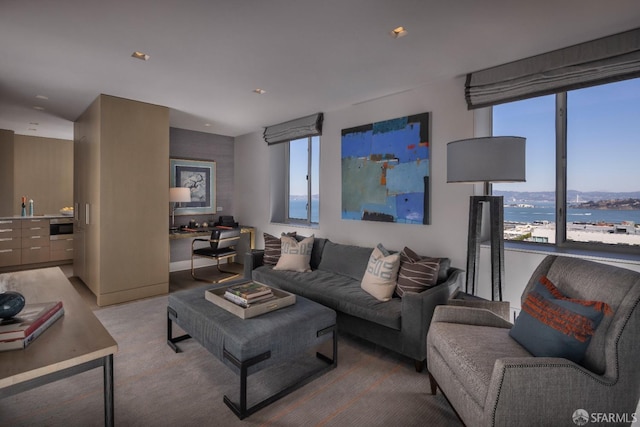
497,243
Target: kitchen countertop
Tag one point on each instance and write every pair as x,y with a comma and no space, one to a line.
45,216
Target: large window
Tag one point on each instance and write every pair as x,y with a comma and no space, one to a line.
583,167
303,189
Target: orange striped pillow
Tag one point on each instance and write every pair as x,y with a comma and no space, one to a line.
553,325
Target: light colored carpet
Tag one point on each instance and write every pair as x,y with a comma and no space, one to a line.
156,387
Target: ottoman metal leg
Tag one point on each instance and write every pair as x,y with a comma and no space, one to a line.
171,340
242,411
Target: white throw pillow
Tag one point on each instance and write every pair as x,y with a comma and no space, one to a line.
294,255
382,272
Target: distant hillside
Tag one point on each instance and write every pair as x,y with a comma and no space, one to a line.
573,196
618,204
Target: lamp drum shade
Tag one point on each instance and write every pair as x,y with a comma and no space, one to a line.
488,159
179,194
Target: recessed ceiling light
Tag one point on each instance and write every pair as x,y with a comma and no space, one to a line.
260,91
37,107
140,55
207,124
33,129
42,97
398,32
34,123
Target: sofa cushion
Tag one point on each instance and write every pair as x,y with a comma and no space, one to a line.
335,291
295,255
272,248
347,260
316,252
470,352
416,273
382,273
553,325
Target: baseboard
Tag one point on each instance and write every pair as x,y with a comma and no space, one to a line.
132,294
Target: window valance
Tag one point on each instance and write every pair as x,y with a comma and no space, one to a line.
294,129
592,63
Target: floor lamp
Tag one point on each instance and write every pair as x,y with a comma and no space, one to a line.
177,195
486,160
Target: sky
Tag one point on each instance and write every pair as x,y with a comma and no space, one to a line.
603,138
298,166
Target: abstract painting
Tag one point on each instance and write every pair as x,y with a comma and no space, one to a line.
199,177
385,171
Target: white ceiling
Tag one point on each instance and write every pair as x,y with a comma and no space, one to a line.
207,56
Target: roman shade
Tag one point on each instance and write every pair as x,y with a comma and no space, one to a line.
600,61
294,129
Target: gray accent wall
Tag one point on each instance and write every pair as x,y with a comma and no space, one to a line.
193,145
188,144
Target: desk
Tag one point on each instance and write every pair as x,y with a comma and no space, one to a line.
207,232
73,344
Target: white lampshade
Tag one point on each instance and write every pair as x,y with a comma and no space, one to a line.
179,194
490,159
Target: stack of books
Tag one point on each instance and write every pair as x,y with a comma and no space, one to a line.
247,294
19,331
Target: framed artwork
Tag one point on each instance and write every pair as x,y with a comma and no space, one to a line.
386,171
200,178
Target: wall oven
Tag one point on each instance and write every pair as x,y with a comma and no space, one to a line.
58,227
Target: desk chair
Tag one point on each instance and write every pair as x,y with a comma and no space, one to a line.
221,247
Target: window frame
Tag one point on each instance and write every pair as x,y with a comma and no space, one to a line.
281,186
599,249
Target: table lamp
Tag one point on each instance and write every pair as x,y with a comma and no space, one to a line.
486,160
177,195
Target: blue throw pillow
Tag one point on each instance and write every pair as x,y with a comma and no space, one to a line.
553,325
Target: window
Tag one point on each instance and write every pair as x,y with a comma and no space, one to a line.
303,195
593,198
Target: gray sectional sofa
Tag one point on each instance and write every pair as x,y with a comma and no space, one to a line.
400,324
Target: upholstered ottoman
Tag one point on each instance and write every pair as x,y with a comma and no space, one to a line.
250,345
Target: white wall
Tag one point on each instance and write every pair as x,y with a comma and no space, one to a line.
447,233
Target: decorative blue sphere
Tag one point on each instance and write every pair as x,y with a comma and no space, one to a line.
11,303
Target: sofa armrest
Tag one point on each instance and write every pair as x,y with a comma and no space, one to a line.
417,311
252,260
508,404
469,316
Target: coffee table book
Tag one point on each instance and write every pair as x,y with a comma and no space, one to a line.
281,299
28,320
21,343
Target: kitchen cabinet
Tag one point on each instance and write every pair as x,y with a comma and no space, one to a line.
121,199
10,242
61,247
35,240
27,240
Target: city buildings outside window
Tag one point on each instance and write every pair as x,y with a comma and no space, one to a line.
591,196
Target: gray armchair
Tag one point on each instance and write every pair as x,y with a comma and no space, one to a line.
491,380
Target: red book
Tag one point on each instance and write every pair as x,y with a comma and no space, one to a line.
28,320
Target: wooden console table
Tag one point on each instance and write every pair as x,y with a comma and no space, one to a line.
75,343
